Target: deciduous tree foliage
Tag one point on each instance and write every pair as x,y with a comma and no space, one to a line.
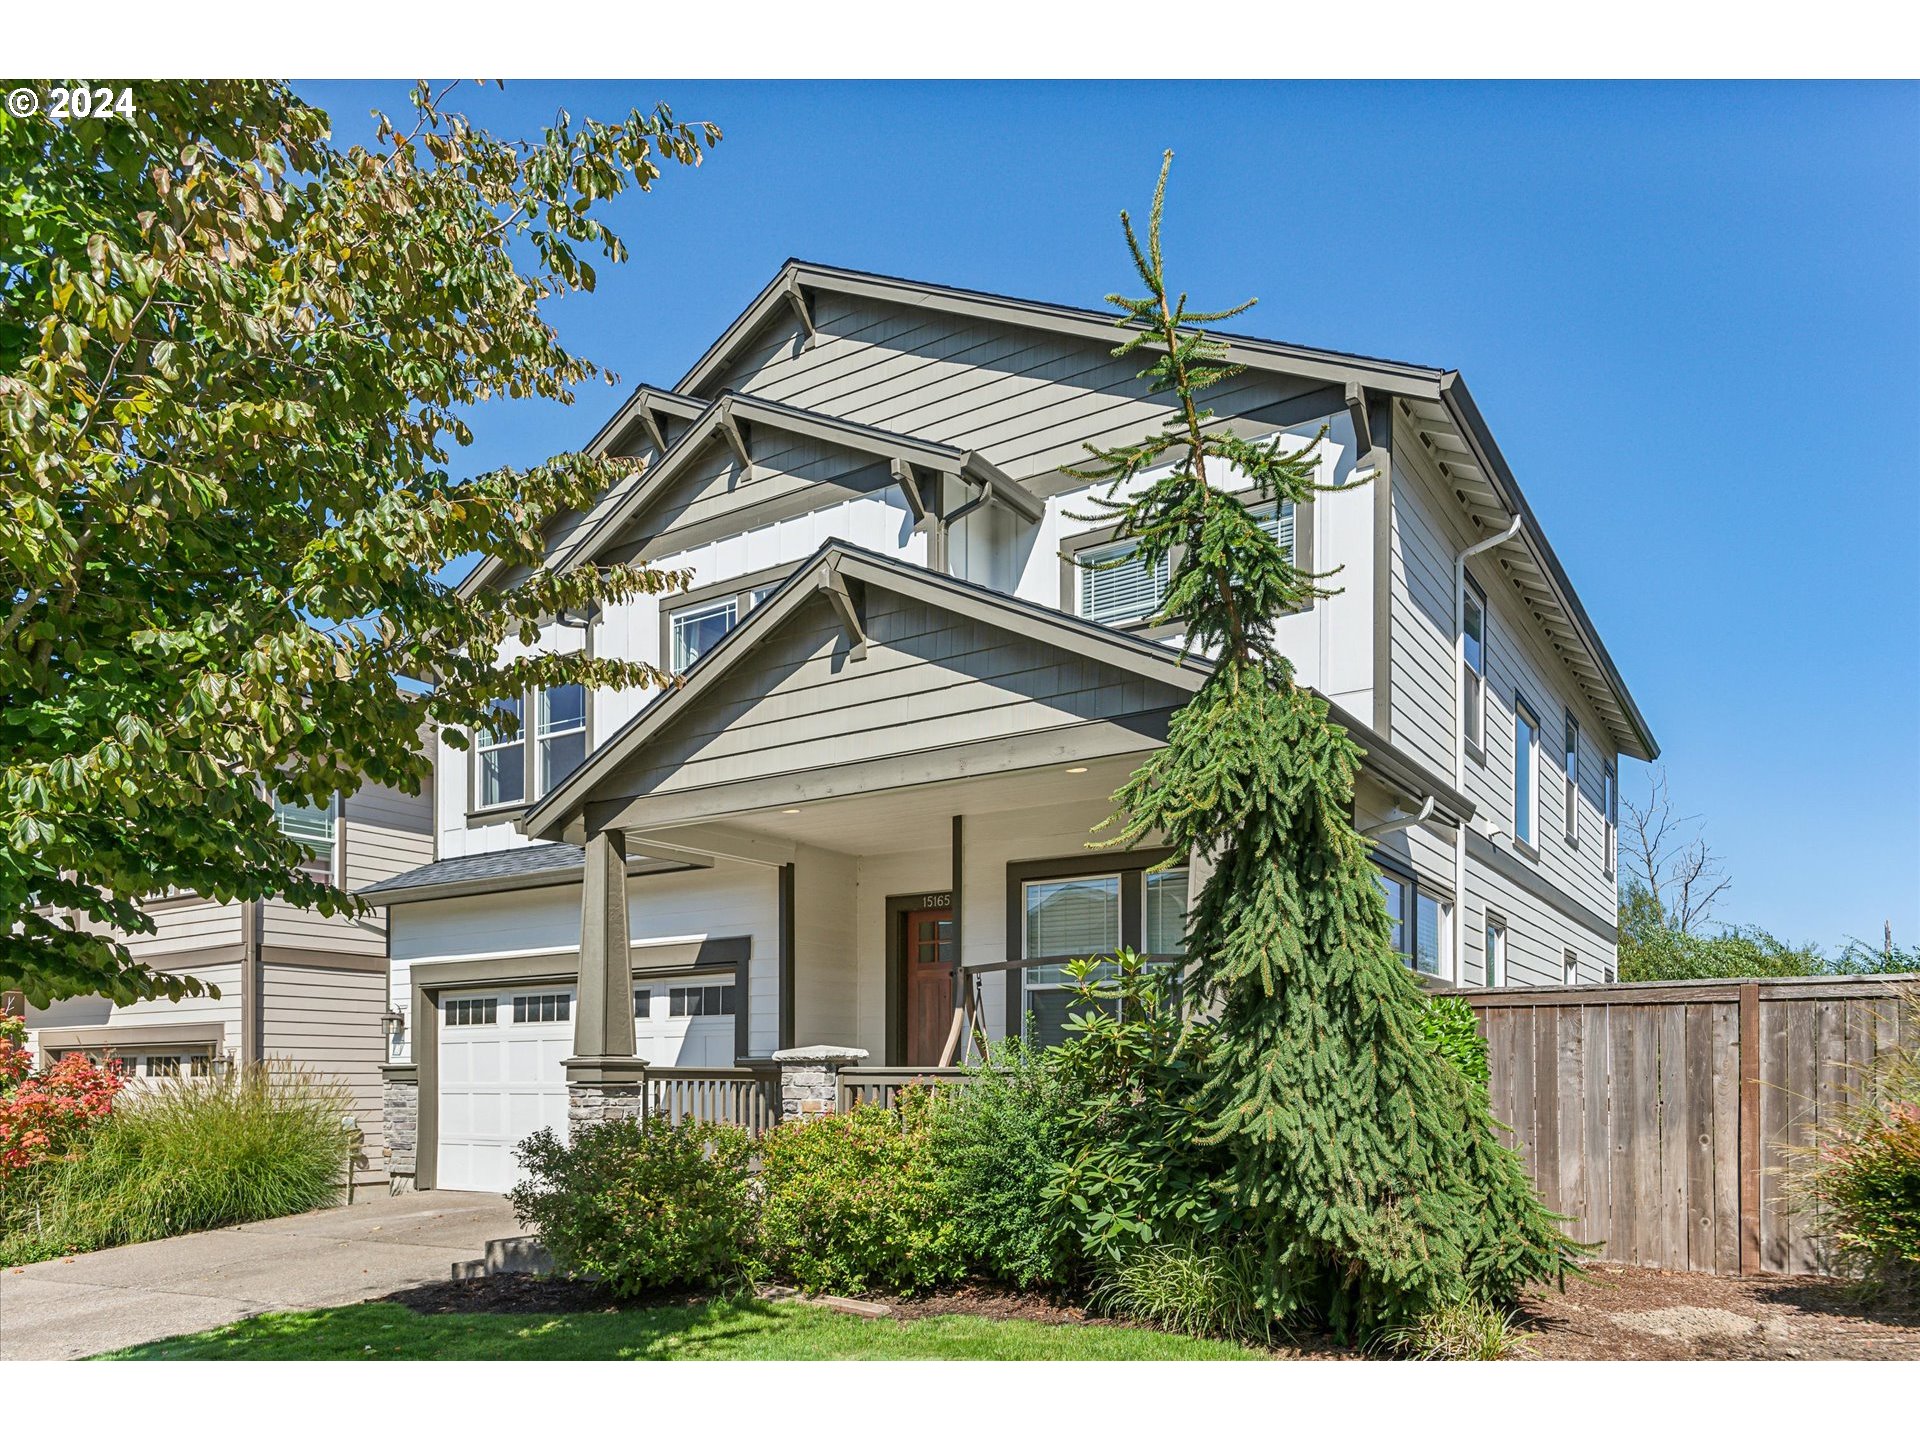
1364,1169
234,359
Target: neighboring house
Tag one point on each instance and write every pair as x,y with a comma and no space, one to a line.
294,985
905,708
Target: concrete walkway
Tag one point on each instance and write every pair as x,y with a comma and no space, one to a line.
64,1309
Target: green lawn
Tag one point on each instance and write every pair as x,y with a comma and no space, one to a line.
716,1330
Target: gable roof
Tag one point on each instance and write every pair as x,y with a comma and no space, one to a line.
1437,400
836,562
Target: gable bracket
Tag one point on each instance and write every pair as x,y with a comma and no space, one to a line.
655,431
736,439
797,301
835,588
909,483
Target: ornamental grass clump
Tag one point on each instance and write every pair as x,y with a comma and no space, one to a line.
194,1154
1192,1287
641,1204
1361,1168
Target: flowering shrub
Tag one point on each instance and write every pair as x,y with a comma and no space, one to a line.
44,1115
860,1201
640,1205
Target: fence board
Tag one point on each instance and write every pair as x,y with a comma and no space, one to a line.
1640,1118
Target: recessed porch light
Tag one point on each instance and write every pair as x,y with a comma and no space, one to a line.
1076,769
790,812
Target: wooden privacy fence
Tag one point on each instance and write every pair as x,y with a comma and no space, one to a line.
1658,1115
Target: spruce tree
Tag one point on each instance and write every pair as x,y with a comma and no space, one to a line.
1363,1168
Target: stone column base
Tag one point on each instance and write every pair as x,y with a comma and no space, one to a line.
810,1079
400,1108
606,1088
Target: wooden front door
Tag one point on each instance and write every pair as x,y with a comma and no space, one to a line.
928,951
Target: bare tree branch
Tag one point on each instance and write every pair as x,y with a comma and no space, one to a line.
1666,853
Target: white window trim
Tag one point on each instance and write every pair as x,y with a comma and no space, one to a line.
1570,765
1569,967
1611,855
334,828
678,619
1493,959
530,741
1473,713
544,735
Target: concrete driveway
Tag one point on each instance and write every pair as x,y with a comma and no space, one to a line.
64,1309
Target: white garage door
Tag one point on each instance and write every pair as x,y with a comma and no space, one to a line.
501,1077
500,1080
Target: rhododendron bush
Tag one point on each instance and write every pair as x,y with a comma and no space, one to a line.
45,1114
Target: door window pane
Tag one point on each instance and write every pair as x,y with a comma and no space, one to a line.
697,629
1075,918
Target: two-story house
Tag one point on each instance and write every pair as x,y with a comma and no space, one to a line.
294,985
863,819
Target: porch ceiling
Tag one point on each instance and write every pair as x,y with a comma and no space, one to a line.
899,821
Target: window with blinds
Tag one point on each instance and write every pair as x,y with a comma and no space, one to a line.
314,828
1117,587
1277,521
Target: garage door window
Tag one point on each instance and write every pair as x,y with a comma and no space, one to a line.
541,1009
692,1000
472,1012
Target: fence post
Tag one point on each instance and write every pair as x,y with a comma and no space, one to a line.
1749,1128
810,1079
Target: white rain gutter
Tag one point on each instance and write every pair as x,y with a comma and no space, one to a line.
1460,730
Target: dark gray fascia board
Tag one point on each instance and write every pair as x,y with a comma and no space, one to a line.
837,557
1400,378
1459,403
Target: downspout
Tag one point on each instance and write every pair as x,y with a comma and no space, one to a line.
1460,733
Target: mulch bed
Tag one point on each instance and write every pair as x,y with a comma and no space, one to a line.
1620,1313
1611,1313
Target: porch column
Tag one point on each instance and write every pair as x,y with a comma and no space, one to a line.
604,1079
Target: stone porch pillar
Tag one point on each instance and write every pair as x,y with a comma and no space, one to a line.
400,1109
604,1079
810,1079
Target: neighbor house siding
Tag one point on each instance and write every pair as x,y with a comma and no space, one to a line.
331,1021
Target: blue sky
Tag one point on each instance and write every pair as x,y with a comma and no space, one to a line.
1691,314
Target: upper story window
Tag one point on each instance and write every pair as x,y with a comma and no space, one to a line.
315,828
563,733
698,628
1276,518
1610,854
1117,587
507,753
1473,667
1573,780
1526,779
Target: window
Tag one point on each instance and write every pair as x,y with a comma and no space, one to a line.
541,1009
1277,521
1570,967
1065,920
698,628
1399,914
1610,973
1165,932
1430,937
159,1066
472,1012
696,1000
200,1065
1473,667
313,827
1573,779
1612,852
1526,746
642,1004
1419,925
1496,956
502,763
563,733
1116,588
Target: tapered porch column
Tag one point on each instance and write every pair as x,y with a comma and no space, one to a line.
604,1080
